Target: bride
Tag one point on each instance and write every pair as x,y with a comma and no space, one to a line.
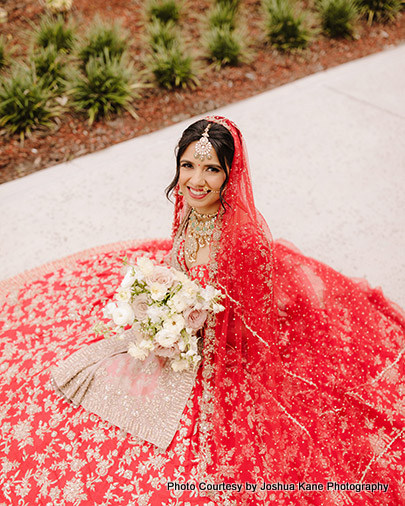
299,398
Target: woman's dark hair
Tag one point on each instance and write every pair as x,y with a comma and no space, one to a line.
221,140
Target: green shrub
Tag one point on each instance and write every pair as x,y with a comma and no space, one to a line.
56,32
163,10
161,34
50,67
103,36
338,17
25,103
225,46
285,28
380,10
222,15
107,86
172,68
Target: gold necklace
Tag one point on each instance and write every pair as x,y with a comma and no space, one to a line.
199,233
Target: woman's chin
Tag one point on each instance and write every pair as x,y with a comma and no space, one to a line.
205,205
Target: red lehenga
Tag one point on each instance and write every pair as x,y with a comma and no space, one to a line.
301,384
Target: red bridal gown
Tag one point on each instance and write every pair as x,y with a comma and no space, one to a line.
52,453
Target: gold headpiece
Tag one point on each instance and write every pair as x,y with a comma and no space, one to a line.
203,148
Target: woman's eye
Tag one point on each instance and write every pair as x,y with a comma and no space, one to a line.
186,165
213,169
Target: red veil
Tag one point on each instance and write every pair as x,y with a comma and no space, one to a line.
302,372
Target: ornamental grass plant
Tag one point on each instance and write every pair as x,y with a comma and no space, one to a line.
164,35
103,38
225,46
50,67
285,26
173,67
163,10
338,17
222,15
25,102
106,85
380,10
56,32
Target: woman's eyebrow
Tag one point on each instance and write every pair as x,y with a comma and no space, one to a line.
205,164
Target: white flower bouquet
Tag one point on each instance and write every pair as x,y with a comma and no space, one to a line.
166,308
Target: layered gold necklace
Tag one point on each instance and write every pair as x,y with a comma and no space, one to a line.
199,233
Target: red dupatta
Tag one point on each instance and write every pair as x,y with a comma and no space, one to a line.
303,372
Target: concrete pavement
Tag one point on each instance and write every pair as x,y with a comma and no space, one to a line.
327,157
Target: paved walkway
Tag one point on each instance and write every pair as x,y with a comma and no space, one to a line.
327,155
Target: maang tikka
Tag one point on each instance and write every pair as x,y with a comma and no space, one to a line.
203,148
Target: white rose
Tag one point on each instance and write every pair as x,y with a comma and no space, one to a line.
137,352
123,295
122,314
166,338
175,323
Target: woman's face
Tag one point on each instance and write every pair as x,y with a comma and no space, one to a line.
199,180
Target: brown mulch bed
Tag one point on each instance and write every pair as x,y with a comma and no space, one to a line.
157,108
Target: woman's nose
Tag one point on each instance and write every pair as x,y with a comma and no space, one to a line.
197,179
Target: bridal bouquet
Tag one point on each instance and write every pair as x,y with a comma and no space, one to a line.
166,308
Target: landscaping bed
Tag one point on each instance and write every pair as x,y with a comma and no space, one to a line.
157,107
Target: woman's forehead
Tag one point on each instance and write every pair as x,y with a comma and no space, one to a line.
189,155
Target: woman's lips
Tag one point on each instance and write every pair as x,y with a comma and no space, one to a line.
197,195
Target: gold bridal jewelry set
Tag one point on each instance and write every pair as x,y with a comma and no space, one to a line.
200,226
